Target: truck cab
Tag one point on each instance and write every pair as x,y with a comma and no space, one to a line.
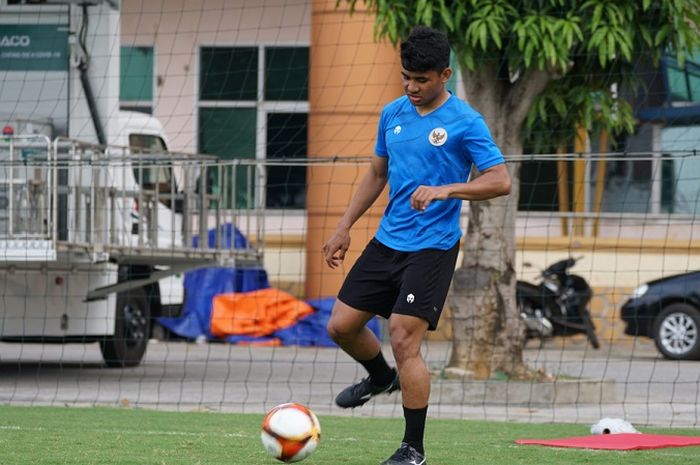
144,135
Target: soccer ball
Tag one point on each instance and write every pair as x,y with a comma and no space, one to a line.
290,432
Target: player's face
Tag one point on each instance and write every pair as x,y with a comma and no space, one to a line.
423,88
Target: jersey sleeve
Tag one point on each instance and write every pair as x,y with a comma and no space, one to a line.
479,144
380,145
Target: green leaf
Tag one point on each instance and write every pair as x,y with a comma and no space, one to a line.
527,53
559,105
469,60
646,35
446,16
428,17
483,34
661,35
549,52
495,33
460,11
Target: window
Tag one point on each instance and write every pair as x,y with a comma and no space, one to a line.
136,78
286,139
148,175
683,83
286,73
628,186
638,183
229,133
652,183
677,85
680,182
147,143
229,73
253,104
539,186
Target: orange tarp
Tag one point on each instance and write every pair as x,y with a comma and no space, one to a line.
257,313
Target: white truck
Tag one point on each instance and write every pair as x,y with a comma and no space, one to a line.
91,237
96,215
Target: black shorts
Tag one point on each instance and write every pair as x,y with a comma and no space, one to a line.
385,281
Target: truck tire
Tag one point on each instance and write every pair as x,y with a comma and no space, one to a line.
677,332
132,328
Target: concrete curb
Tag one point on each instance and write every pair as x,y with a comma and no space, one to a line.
531,393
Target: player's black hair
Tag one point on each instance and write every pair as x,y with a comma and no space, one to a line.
425,49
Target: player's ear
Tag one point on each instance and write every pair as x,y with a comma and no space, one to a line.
446,75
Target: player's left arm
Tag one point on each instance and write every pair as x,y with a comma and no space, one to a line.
493,182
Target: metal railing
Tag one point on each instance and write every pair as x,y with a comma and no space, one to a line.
27,196
112,203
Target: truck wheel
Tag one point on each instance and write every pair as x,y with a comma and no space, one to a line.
131,330
677,332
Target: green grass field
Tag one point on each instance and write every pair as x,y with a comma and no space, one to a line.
101,436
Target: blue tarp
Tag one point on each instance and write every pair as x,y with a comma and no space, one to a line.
201,286
239,240
311,330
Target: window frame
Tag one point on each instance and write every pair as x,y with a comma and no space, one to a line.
262,106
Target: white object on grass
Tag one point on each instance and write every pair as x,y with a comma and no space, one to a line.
613,426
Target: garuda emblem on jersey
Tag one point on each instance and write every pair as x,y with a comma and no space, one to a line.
437,137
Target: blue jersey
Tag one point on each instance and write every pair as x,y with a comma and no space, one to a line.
433,150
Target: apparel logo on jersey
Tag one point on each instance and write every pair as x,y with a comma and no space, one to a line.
410,298
437,137
397,130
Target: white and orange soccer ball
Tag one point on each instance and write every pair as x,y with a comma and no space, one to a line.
290,432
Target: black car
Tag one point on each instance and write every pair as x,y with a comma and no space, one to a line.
668,311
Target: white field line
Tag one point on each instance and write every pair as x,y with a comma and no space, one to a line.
167,433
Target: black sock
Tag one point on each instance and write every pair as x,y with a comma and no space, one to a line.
415,427
380,373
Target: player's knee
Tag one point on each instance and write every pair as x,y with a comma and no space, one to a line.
332,329
338,332
403,345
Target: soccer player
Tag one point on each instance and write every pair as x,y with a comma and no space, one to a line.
426,143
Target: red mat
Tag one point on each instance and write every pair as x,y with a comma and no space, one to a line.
626,441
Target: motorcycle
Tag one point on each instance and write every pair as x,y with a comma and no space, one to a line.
558,305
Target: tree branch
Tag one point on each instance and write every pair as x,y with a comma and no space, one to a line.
523,92
483,90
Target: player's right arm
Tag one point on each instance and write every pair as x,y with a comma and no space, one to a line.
370,187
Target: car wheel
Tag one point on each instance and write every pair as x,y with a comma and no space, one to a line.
677,332
131,330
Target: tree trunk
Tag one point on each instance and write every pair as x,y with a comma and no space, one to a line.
488,333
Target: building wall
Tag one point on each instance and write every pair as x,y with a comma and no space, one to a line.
178,28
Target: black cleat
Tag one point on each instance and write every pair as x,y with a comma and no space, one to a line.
358,394
405,455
